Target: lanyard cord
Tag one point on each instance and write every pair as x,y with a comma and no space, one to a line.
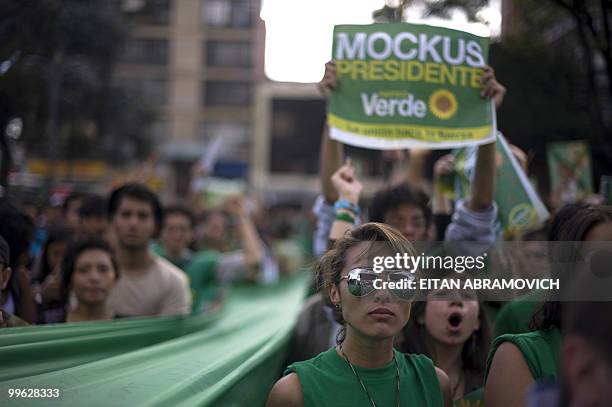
397,379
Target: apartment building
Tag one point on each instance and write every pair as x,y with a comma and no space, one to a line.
197,62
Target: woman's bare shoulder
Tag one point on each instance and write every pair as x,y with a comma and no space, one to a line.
286,392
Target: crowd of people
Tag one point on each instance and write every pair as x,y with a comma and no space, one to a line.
126,255
355,345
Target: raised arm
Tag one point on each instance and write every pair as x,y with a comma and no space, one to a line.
440,204
416,166
332,152
251,244
483,185
349,189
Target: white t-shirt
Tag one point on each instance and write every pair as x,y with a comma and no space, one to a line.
162,290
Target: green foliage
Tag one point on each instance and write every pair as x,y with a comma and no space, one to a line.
547,61
72,45
438,8
443,8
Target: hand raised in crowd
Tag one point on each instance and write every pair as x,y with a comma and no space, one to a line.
393,155
235,206
329,81
520,156
491,89
51,287
445,165
346,183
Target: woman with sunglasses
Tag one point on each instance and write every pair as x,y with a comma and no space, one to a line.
364,369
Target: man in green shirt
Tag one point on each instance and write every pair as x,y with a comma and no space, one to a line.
208,270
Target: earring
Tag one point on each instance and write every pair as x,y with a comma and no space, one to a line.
337,306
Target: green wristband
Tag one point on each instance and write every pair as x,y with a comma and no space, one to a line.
345,217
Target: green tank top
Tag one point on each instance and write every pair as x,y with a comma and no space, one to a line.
327,380
514,317
539,348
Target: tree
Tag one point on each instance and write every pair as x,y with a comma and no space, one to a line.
559,44
61,82
589,21
396,11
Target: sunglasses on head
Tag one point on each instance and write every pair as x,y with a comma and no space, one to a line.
361,282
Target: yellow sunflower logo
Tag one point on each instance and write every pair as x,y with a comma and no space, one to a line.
443,104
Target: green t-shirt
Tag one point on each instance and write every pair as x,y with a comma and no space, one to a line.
180,262
327,380
539,348
514,317
205,288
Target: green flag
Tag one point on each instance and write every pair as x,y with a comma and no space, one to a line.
519,206
569,165
409,85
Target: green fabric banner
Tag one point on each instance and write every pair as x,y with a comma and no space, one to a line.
409,85
230,358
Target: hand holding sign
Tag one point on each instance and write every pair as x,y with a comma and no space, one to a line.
407,85
491,88
346,183
329,81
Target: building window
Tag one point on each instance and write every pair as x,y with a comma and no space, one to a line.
223,93
295,127
153,91
155,12
229,54
234,135
145,51
237,132
228,13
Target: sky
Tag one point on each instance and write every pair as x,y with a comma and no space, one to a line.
299,32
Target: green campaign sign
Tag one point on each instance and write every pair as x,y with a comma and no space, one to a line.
569,164
409,85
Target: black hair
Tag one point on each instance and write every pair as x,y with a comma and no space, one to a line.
572,224
329,268
56,233
575,221
5,253
584,318
137,192
93,206
393,197
179,210
475,349
17,228
75,196
74,251
540,234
